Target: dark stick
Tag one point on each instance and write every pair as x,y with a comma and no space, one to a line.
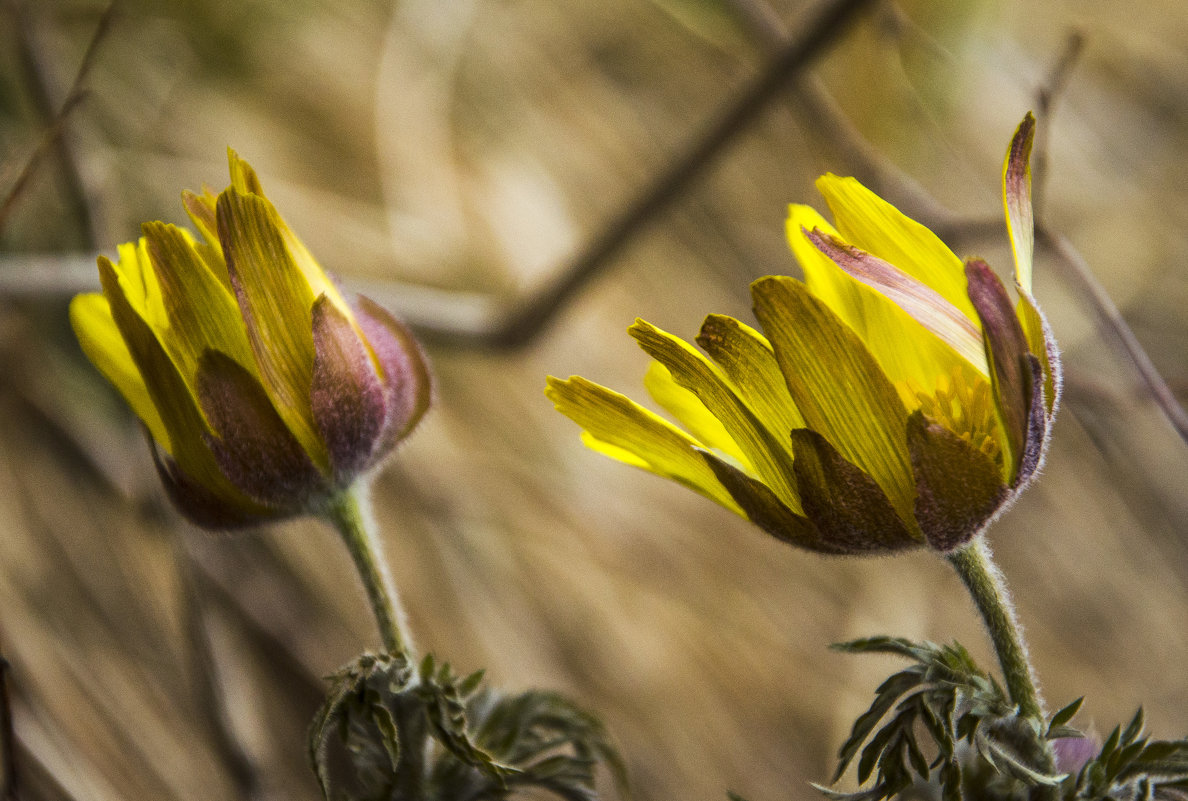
530,315
8,773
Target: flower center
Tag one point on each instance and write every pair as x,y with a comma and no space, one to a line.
966,408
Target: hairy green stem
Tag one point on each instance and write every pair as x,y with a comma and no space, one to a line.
350,514
985,583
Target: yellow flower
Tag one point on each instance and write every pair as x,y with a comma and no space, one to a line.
895,398
264,391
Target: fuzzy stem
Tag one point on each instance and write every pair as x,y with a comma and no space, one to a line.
350,514
985,583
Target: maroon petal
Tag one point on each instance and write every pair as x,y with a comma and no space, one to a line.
346,395
252,444
765,510
959,488
406,380
1006,353
847,506
196,502
1035,443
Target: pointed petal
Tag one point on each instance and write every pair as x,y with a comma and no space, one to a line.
252,444
764,509
276,304
871,223
403,370
923,303
103,344
910,356
1006,351
770,458
1016,196
690,412
198,503
202,312
748,361
960,487
346,395
245,180
852,513
201,210
837,386
183,422
622,429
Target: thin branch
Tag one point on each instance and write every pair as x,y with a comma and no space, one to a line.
1046,96
8,771
55,118
1079,270
532,314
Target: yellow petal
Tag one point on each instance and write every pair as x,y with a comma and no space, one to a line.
838,387
910,355
90,316
202,312
170,395
622,429
922,303
747,359
276,303
866,220
1016,198
767,451
245,180
690,412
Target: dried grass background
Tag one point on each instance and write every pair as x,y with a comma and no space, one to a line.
451,156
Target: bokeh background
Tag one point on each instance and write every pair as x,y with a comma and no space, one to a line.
453,158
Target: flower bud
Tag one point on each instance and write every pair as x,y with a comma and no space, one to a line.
264,391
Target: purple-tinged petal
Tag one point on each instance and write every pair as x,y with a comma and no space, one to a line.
1016,197
959,487
407,383
346,394
850,510
1006,351
764,509
923,303
198,503
1035,443
253,446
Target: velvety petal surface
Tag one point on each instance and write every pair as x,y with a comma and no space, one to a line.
617,427
764,509
254,447
346,394
1007,352
849,509
837,386
959,486
403,370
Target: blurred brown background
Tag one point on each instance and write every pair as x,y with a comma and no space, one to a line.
449,158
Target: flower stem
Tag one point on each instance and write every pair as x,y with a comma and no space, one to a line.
985,583
350,514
